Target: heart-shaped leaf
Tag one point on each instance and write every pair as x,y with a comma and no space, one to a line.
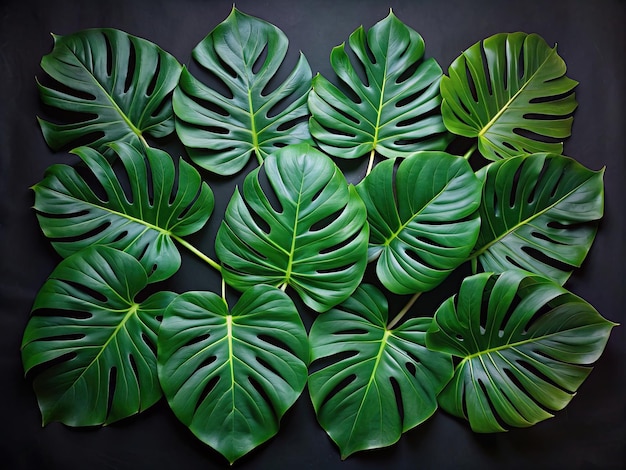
222,129
394,111
307,230
230,376
423,219
89,345
116,85
525,346
510,91
159,209
375,383
538,214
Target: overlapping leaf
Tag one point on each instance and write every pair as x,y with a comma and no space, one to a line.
394,111
525,343
90,346
223,129
423,219
116,88
376,383
509,91
308,229
161,207
539,213
230,376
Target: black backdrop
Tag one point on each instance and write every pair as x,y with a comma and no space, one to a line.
588,434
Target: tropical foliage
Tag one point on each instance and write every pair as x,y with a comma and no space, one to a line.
106,339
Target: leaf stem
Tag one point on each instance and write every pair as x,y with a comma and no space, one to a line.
197,252
224,292
283,286
404,310
469,153
370,163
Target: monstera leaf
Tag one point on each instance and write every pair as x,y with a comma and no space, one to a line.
144,223
395,111
538,214
525,346
375,383
230,376
423,219
307,230
515,100
90,345
116,87
222,129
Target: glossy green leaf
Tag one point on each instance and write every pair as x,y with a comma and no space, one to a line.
393,110
89,344
307,229
525,346
116,88
511,93
423,219
159,207
223,125
374,383
230,376
539,213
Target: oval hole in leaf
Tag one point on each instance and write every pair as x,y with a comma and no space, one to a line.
83,289
398,394
208,388
276,342
266,398
326,361
111,389
157,71
340,386
198,339
148,342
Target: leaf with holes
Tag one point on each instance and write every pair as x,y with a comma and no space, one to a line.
112,87
306,228
160,209
231,376
394,111
371,383
423,219
89,345
525,346
539,213
509,91
250,115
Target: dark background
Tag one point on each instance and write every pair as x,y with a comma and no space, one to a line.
588,434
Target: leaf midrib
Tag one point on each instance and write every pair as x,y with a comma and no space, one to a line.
507,105
526,221
379,355
132,311
404,225
534,339
114,104
123,215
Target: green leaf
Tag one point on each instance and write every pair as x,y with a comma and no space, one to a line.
510,91
539,213
375,383
90,346
423,219
230,376
308,229
115,86
160,207
394,111
525,345
222,129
